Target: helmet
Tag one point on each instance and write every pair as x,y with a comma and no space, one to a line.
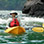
13,13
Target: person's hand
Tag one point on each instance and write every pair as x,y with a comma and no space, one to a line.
7,27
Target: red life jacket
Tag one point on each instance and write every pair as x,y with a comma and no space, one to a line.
13,23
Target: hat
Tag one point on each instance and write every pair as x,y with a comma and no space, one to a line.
13,12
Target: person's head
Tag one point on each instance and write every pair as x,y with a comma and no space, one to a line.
13,14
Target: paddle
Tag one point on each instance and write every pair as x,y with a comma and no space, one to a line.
42,25
38,29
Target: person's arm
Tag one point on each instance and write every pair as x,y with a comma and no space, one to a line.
7,23
19,21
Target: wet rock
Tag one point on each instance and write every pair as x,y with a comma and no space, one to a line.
35,9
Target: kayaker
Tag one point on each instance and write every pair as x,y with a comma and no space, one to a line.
13,21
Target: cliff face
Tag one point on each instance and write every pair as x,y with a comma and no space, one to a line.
11,4
34,8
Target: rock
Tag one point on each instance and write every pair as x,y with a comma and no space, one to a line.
35,10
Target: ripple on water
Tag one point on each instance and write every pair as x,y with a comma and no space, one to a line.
28,37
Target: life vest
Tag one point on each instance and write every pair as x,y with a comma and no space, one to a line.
13,23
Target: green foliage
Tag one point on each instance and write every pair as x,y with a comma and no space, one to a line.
11,4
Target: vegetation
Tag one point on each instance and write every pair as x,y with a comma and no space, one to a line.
11,4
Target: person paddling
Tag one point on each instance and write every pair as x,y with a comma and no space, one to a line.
15,24
12,22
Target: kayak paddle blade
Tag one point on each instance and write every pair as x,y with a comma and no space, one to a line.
38,29
42,25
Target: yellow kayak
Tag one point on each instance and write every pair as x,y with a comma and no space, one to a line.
15,30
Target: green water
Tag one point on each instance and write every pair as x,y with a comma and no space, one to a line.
29,37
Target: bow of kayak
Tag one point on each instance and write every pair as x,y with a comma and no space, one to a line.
15,30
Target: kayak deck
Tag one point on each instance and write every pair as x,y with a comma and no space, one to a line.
15,30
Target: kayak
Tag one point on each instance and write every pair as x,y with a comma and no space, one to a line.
15,30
